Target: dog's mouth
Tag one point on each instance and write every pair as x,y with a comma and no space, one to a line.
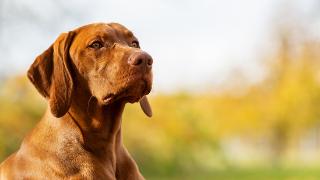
134,89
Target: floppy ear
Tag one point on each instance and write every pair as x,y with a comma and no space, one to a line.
145,106
50,74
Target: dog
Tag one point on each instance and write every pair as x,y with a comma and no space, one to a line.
87,75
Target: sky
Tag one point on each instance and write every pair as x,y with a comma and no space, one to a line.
195,44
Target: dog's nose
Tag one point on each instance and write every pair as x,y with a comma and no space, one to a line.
140,59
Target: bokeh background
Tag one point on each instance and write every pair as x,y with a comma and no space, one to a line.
236,83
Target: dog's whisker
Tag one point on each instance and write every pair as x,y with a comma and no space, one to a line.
88,104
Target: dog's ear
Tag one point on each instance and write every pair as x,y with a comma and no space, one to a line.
50,74
145,106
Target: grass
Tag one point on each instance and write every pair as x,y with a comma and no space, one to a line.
247,174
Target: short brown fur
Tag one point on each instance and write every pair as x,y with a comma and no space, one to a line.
87,87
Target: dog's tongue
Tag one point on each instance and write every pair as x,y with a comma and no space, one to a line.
145,106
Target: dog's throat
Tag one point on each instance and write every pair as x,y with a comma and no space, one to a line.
100,129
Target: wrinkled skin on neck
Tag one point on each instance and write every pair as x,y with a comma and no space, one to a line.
100,130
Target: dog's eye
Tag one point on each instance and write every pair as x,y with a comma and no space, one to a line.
135,44
96,45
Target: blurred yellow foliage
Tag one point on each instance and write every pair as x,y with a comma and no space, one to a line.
192,131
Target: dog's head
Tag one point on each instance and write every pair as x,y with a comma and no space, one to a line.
104,59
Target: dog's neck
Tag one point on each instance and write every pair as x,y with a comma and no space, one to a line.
100,125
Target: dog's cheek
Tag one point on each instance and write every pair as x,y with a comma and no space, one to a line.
83,64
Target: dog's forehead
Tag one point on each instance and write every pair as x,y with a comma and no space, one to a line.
120,28
104,29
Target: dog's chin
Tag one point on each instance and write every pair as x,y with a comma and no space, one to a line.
131,93
136,91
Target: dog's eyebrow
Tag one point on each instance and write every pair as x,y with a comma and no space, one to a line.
101,36
128,33
95,38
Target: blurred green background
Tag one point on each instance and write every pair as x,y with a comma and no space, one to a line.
242,127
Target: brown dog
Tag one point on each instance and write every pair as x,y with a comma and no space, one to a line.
87,75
